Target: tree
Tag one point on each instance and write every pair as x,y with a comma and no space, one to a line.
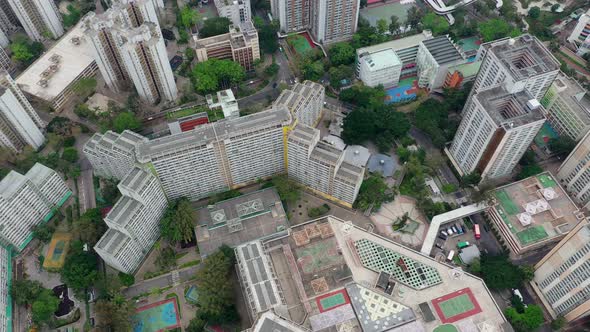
214,74
287,189
214,26
554,8
69,141
373,192
114,312
499,273
43,232
471,179
189,17
436,23
70,154
414,16
267,37
110,192
382,26
340,73
361,95
85,86
394,25
495,29
80,269
72,17
44,307
25,291
271,70
178,222
561,146
341,54
25,51
311,68
89,227
126,279
126,120
528,272
558,323
358,126
529,320
527,171
534,12
166,259
474,267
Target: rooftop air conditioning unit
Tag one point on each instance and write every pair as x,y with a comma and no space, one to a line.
75,40
43,83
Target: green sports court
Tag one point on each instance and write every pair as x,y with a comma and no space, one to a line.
332,300
531,235
456,306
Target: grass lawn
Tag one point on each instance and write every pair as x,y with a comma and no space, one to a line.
214,114
185,112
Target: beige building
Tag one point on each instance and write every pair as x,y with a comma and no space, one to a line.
533,213
305,101
239,45
562,277
574,173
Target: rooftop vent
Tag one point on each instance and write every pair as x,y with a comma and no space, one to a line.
43,83
382,162
533,104
75,40
56,58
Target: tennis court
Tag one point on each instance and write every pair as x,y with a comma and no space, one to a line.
332,300
506,202
156,317
531,235
301,43
456,306
546,180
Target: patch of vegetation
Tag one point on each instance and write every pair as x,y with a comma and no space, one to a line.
178,222
318,211
373,193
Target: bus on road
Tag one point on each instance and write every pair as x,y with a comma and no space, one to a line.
462,245
476,231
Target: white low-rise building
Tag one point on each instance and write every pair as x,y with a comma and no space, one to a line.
226,101
380,68
134,221
434,58
27,201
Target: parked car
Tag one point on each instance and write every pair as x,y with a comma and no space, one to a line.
454,229
443,232
438,245
442,237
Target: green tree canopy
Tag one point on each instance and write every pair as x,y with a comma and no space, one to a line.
126,279
394,25
381,126
114,311
382,26
529,320
414,16
178,222
72,17
267,36
189,17
214,74
214,26
373,192
80,269
529,170
89,227
340,73
288,190
25,291
495,29
126,120
70,154
561,146
43,232
436,23
362,95
44,307
499,273
25,51
341,54
534,12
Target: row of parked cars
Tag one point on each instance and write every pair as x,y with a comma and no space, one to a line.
454,229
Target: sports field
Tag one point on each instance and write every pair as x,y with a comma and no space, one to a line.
318,256
155,317
545,134
531,235
300,43
332,300
546,180
57,251
456,306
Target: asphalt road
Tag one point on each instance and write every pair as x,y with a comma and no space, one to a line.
160,282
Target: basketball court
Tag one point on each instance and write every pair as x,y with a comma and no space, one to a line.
332,300
456,306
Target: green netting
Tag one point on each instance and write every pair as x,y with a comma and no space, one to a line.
531,235
506,202
332,301
446,328
456,306
378,258
546,180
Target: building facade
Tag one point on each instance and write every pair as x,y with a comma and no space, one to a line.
305,101
20,125
580,36
380,68
496,129
145,57
567,105
434,58
27,201
134,13
134,221
240,45
40,18
574,173
238,11
112,155
562,277
5,284
293,15
321,167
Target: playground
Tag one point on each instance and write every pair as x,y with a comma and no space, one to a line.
300,43
57,251
406,90
318,256
545,134
456,306
332,300
155,317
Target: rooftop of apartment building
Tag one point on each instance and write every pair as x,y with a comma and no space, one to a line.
237,36
123,210
291,97
136,179
443,50
382,59
523,56
126,141
346,276
112,241
234,221
469,69
14,180
269,321
59,66
510,110
398,44
570,90
213,131
536,209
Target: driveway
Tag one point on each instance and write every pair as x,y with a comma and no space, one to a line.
161,281
424,141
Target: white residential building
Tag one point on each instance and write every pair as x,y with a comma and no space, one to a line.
218,156
112,155
8,21
434,58
380,68
580,36
226,101
305,101
40,18
28,200
5,284
238,11
134,13
322,167
562,277
146,60
568,107
20,125
293,15
496,129
134,221
517,64
574,173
